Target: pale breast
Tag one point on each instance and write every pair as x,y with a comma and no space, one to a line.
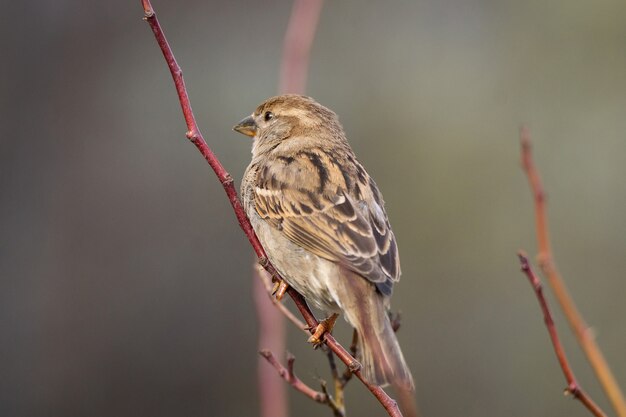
309,274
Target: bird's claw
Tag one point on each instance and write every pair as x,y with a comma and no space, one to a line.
324,326
279,289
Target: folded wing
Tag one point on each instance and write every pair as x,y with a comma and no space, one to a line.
335,214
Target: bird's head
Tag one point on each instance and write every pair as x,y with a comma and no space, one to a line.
282,117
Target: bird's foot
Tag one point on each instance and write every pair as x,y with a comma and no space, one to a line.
279,290
323,327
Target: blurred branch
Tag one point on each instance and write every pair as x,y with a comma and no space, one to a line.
297,45
272,335
583,333
194,135
273,396
339,382
572,386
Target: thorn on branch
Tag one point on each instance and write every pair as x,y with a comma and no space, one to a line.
523,260
227,180
573,389
354,366
192,135
147,9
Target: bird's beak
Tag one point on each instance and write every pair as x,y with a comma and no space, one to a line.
246,126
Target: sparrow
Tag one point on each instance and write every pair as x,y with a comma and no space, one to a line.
322,222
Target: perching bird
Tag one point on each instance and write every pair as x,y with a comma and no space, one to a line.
322,222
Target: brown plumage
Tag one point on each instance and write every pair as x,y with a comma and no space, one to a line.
322,222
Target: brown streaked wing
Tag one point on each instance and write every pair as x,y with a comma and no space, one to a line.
319,214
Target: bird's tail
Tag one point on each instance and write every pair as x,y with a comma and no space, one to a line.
378,350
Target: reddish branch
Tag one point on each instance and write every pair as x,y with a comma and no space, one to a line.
582,332
572,385
289,375
297,45
195,136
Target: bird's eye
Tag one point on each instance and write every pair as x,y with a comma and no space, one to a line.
268,116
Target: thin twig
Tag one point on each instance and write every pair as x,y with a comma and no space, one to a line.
288,375
194,135
337,408
354,345
581,330
573,387
338,384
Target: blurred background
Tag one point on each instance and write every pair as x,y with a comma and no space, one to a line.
125,281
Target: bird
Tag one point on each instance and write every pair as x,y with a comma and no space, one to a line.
321,219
